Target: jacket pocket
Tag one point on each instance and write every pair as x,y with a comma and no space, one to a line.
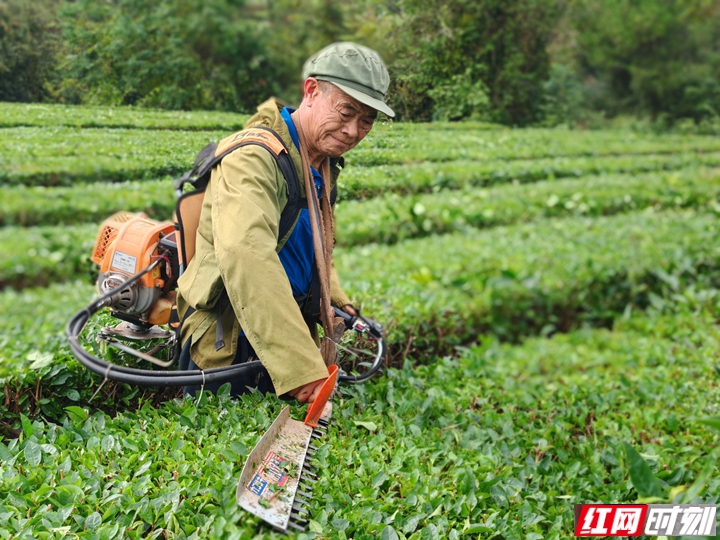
202,350
202,284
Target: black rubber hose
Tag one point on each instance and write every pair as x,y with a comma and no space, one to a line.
144,377
77,324
374,368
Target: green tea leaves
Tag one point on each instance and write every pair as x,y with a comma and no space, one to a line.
370,426
76,414
33,453
549,294
711,422
388,533
26,425
642,477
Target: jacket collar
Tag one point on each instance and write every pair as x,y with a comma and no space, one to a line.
268,115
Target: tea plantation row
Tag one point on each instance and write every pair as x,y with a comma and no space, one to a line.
66,156
503,440
52,116
39,205
500,437
511,282
41,255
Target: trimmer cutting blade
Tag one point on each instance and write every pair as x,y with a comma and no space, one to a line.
275,483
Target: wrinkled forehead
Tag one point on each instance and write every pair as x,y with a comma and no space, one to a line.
342,100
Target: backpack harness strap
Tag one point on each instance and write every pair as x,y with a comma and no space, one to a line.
211,156
199,176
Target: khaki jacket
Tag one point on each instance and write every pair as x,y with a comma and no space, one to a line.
237,247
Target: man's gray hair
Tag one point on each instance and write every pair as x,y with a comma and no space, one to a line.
326,87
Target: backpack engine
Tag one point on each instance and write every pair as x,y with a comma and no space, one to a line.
126,244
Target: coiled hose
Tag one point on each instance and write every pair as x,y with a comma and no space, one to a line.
147,377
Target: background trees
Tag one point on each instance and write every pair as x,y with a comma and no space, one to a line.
517,63
485,59
659,58
174,54
29,40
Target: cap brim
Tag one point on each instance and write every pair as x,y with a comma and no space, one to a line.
365,99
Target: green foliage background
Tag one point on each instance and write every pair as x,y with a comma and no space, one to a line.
551,295
170,54
657,58
29,39
551,301
579,62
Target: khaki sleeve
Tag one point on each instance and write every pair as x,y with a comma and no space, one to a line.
245,219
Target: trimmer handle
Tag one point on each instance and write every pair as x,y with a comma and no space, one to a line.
316,408
361,324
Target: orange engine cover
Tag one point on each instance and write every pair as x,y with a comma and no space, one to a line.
126,245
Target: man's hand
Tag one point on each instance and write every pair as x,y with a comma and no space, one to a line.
307,393
349,309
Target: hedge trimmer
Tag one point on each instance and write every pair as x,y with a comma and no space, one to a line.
139,263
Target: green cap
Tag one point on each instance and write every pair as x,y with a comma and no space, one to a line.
356,70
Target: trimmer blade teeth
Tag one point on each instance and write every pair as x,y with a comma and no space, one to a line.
298,519
286,440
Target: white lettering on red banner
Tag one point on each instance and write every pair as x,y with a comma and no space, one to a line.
645,519
610,519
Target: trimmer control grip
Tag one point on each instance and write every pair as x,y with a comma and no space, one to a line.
360,324
316,408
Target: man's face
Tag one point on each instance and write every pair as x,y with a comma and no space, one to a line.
339,122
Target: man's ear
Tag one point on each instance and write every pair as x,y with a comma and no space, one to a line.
311,90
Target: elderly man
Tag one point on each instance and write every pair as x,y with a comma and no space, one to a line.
269,283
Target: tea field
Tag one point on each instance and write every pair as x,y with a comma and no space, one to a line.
551,300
